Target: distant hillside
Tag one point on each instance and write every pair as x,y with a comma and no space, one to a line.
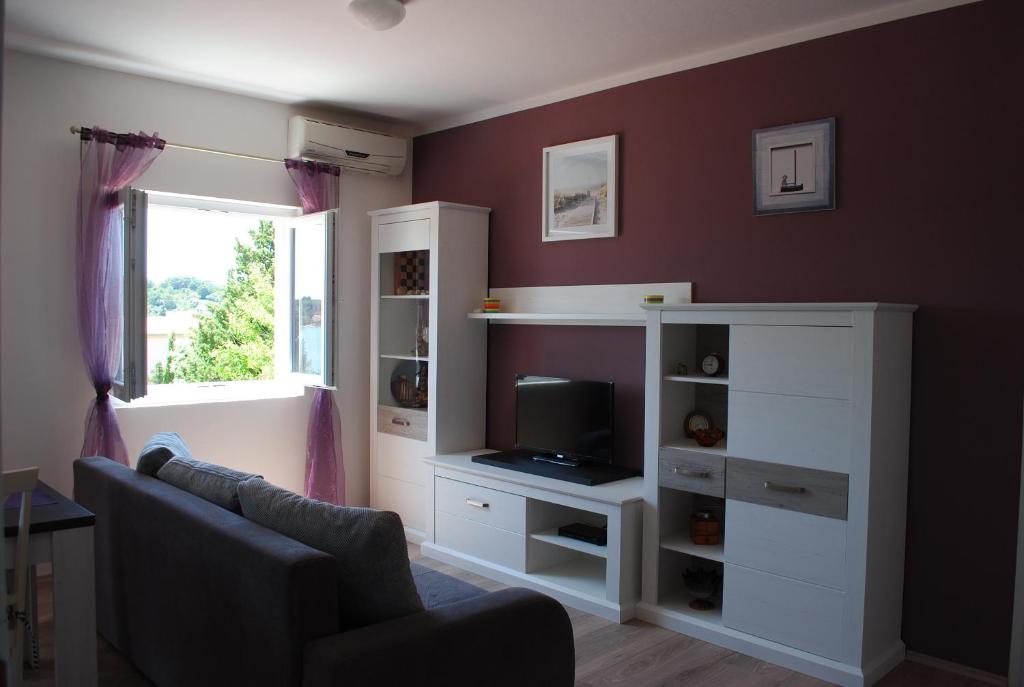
181,293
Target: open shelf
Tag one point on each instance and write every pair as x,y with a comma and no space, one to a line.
680,542
407,297
678,602
692,445
552,536
415,358
585,574
697,379
581,319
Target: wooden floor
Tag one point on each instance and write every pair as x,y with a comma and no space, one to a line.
634,654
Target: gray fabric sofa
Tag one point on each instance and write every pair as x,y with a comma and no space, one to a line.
194,594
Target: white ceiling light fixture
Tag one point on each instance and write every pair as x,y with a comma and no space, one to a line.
379,15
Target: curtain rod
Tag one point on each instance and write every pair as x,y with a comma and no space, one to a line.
78,130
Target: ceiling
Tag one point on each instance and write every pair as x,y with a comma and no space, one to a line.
449,62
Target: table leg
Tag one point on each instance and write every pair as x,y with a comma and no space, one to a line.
74,607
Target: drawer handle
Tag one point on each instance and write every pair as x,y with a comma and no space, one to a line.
400,421
477,504
692,472
787,488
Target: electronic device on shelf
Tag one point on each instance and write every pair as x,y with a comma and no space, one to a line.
581,531
564,431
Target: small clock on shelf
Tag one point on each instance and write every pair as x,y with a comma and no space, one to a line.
712,364
697,420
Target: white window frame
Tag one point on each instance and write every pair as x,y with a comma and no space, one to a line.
132,385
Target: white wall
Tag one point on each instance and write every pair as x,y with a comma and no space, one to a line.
44,391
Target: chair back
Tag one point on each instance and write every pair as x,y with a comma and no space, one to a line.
19,481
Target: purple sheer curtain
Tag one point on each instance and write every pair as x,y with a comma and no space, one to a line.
319,189
317,184
110,162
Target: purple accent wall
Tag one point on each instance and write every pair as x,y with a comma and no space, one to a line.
929,113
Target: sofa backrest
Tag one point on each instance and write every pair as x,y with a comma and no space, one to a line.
197,595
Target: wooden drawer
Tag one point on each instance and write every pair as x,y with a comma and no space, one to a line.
480,504
482,541
799,361
701,473
403,236
796,430
797,614
817,492
404,422
797,545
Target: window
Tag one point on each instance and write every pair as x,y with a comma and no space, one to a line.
219,293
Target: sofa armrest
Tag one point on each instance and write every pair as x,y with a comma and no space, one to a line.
513,637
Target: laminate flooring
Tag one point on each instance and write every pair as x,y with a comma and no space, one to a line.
633,654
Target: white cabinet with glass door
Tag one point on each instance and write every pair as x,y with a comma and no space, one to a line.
428,361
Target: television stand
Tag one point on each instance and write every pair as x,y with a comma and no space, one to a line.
590,474
504,524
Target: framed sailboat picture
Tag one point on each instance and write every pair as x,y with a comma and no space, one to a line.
795,167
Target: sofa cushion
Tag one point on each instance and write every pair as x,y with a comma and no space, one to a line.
374,578
215,483
437,589
160,448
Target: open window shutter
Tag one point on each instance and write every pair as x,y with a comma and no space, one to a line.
313,321
130,381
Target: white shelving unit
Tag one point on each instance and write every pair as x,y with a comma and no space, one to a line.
450,241
809,485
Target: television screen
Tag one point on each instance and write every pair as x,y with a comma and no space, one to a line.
565,417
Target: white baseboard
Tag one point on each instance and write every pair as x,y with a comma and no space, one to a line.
950,667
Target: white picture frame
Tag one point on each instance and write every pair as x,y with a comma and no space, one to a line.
580,190
795,168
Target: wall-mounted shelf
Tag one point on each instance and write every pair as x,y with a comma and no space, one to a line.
407,297
602,305
578,319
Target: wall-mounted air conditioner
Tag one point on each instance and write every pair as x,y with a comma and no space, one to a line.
363,151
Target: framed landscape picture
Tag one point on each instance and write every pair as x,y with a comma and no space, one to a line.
795,167
580,190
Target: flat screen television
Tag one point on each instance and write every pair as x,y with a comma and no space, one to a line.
566,419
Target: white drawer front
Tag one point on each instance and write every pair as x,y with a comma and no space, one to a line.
488,506
802,361
805,547
482,541
401,458
797,614
405,498
795,430
403,236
